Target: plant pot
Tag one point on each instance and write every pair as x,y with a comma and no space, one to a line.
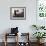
40,41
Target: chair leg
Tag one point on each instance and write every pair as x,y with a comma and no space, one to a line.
5,43
5,40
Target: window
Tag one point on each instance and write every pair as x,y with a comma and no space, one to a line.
41,8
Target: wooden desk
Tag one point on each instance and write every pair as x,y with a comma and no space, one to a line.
17,43
8,34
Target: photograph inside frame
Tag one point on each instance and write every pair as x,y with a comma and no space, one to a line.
18,13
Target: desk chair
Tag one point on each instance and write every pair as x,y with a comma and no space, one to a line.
14,32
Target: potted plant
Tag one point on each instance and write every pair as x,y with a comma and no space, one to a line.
39,35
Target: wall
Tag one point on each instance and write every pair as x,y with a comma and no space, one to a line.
24,25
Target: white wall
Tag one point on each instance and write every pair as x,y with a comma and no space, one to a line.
24,25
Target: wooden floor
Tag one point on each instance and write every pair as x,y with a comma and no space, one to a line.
13,44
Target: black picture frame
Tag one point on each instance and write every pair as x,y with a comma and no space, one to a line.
18,13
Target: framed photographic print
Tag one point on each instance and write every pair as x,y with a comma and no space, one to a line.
17,13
